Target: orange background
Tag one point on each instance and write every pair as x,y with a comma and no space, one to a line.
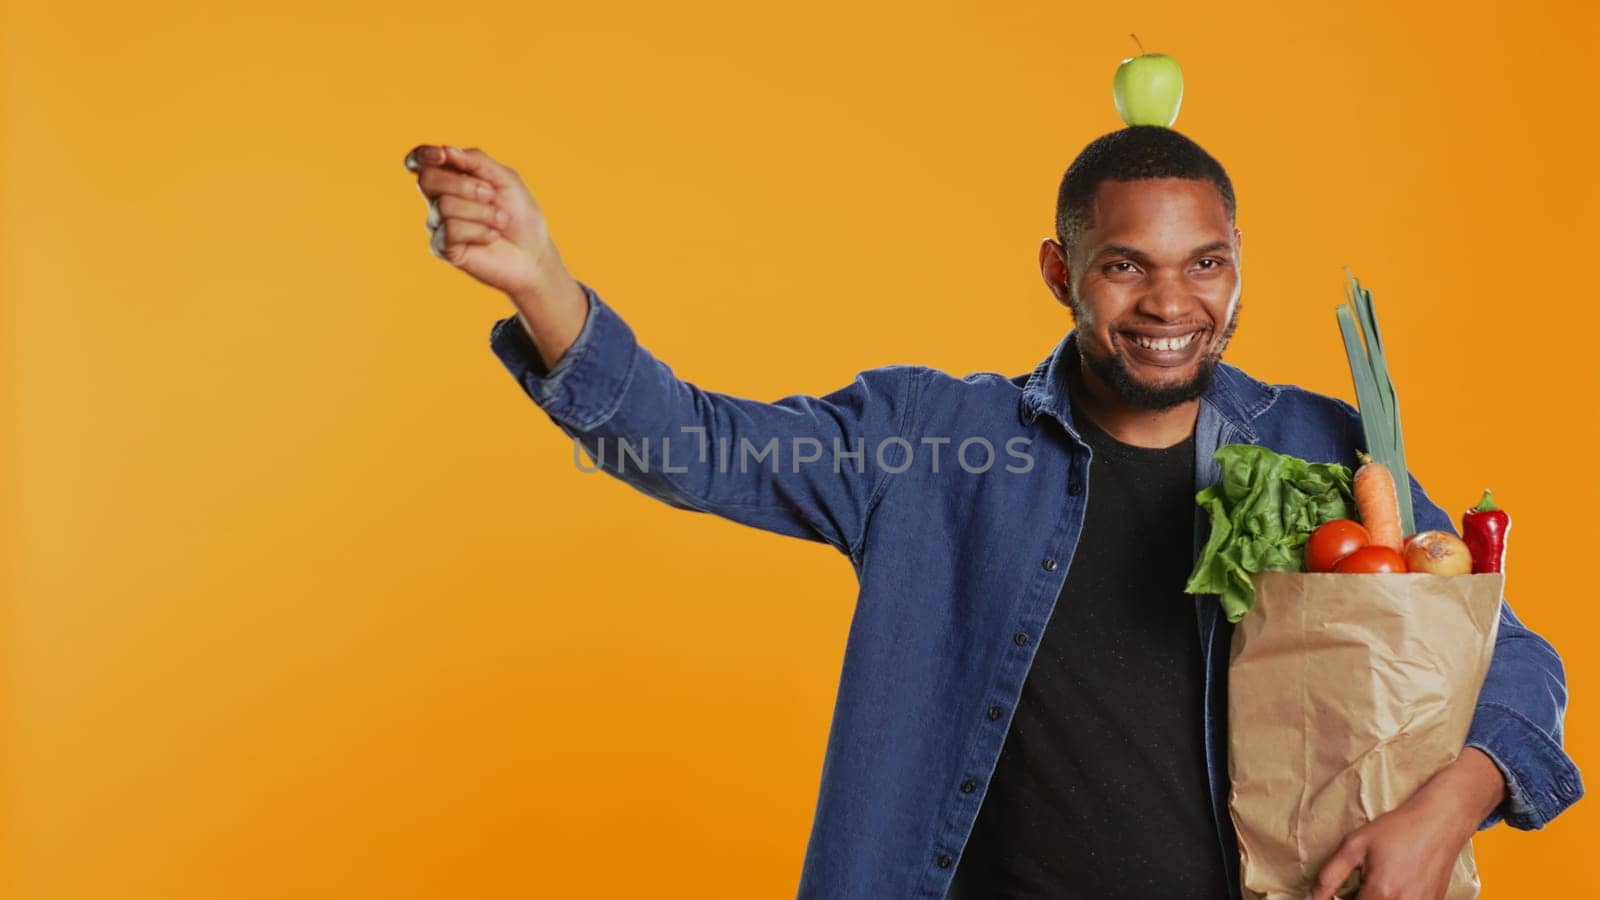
304,598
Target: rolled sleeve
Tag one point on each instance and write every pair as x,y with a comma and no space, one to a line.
1541,779
588,381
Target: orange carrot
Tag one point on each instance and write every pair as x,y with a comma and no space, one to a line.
1377,502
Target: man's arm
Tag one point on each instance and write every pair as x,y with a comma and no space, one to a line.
1519,713
812,467
1517,720
1411,850
805,466
1512,768
552,312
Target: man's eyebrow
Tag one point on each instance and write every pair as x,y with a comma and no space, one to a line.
1122,250
1140,256
1212,247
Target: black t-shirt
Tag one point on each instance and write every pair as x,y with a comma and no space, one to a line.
1100,791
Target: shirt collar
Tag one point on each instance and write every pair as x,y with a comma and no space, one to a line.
1237,397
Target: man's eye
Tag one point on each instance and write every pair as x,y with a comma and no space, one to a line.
1210,262
1119,267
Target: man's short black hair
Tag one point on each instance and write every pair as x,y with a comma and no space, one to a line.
1135,153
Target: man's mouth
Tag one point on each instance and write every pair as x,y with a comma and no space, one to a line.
1164,343
1165,350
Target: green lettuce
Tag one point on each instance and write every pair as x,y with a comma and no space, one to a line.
1263,509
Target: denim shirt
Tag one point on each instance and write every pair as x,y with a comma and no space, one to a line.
959,565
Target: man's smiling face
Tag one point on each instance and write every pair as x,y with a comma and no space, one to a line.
1154,288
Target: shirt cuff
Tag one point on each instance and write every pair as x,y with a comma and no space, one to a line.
1541,779
586,385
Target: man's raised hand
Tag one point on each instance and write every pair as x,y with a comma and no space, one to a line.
483,220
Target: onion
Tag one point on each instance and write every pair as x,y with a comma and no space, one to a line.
1438,553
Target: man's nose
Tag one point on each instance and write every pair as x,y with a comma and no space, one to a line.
1165,298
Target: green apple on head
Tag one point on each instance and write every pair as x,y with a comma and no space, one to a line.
1148,88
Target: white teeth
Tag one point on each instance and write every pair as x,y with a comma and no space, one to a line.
1177,343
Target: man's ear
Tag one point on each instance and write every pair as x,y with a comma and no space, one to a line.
1238,246
1055,271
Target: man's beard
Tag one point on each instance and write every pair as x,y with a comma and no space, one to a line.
1112,370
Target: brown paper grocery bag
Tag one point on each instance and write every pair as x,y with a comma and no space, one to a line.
1345,694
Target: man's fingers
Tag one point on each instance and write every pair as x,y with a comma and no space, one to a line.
482,165
1352,851
460,231
453,238
450,206
424,155
436,181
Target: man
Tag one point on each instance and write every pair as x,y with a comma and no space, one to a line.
1030,706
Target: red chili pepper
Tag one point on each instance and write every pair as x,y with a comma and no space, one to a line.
1484,528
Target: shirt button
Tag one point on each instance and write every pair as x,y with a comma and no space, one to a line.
1049,563
1074,489
944,860
968,786
1021,638
994,713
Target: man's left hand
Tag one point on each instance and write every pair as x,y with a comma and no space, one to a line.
1409,852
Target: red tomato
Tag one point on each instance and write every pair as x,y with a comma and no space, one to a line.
1333,541
1371,560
